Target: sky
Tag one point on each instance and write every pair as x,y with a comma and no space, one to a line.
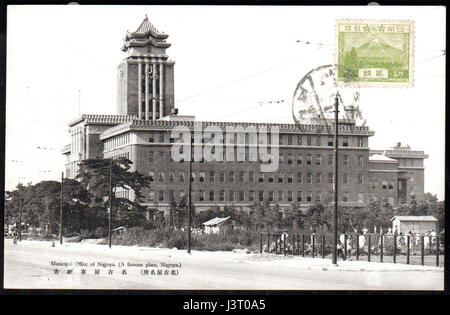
232,63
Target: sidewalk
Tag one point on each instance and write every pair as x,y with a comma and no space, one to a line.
325,264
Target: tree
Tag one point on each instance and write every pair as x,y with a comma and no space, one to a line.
94,174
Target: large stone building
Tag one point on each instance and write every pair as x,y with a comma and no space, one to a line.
142,132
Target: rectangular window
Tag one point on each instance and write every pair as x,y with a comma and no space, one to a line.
289,139
221,177
201,177
299,140
231,177
318,141
345,141
318,178
241,196
171,177
241,176
318,159
251,195
261,178
151,195
151,157
309,196
201,195
211,176
345,197
308,140
345,178
318,196
211,195
280,195
289,196
161,195
221,195
281,160
309,178
161,137
345,160
360,142
181,177
161,176
309,159
290,177
271,179
300,159
251,177
289,159
182,194
360,160
330,141
261,195
231,195
360,179
299,177
330,178
271,196
384,184
280,178
161,155
330,159
299,196
151,174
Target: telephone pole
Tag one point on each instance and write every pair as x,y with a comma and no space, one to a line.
336,181
189,198
110,201
61,210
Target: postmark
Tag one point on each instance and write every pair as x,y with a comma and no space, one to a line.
315,93
380,53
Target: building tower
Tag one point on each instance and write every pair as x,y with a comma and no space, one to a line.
145,77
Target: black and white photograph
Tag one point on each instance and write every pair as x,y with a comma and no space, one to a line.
225,147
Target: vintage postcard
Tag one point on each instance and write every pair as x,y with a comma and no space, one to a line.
225,148
378,53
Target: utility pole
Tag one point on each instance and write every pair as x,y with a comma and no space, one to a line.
61,210
336,181
110,201
189,198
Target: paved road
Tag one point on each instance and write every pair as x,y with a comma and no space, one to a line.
28,265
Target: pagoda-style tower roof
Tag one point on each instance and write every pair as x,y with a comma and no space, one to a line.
145,35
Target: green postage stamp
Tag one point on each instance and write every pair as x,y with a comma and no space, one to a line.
372,53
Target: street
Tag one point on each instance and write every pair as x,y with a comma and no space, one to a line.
91,266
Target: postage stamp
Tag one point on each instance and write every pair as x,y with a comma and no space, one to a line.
380,53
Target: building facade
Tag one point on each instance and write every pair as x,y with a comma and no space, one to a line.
142,132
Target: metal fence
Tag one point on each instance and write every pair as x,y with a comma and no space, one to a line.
410,249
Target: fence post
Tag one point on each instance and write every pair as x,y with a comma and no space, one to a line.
394,257
408,240
368,247
260,243
323,245
437,251
357,246
313,244
422,249
284,244
381,245
303,245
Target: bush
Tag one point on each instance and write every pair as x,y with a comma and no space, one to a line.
213,242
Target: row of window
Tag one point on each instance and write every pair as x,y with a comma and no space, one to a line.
385,184
307,140
251,177
117,141
251,196
284,158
